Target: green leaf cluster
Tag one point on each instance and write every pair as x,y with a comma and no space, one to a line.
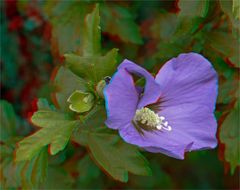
150,33
108,150
122,25
56,129
24,174
97,66
78,107
229,135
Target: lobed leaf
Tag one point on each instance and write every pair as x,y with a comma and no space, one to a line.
112,154
33,172
229,135
97,66
67,19
117,157
91,60
66,83
27,174
92,34
56,131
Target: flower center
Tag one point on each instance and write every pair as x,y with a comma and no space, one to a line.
148,120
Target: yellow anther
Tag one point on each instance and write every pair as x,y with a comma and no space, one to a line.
148,117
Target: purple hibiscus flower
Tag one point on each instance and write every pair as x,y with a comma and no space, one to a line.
173,114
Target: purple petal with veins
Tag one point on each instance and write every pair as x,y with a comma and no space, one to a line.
175,113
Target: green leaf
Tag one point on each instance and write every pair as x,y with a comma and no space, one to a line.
88,172
33,172
221,66
229,135
236,9
92,34
67,19
97,66
66,83
99,115
7,166
57,178
122,25
164,26
230,8
226,44
56,131
25,174
226,94
194,8
113,155
189,20
7,121
92,120
81,101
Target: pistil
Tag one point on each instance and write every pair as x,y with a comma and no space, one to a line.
148,120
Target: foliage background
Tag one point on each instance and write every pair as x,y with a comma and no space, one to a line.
36,34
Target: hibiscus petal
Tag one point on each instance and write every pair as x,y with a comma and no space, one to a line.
196,121
193,128
175,151
189,78
121,99
151,90
169,143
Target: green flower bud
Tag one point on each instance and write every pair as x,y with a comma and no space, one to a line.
80,101
100,87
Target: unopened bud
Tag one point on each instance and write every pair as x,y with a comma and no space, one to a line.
100,87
